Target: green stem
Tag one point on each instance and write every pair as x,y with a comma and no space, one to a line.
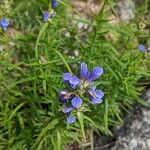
80,117
91,139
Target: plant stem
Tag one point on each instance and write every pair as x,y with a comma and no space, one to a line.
80,117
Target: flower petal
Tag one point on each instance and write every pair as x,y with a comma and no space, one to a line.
67,76
99,93
67,109
74,82
54,3
46,16
64,96
96,101
96,96
71,119
96,72
76,102
141,48
4,23
84,73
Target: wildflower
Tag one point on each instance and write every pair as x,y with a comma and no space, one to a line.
64,96
96,96
141,48
4,23
67,109
84,73
47,15
91,76
71,80
71,119
76,102
54,3
80,87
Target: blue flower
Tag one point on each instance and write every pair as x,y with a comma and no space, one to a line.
54,3
76,102
46,16
84,73
71,80
74,82
90,76
67,109
64,96
67,77
141,48
71,119
4,23
96,96
96,73
82,88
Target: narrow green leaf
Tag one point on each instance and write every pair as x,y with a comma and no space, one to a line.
38,38
106,115
64,60
15,110
50,126
80,117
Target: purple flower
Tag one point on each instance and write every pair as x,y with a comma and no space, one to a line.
96,73
4,23
71,119
141,48
71,80
76,102
84,73
54,3
67,77
90,76
64,96
74,82
84,87
67,109
96,96
46,16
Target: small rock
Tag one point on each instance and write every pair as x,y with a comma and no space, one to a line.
148,143
133,144
126,10
137,131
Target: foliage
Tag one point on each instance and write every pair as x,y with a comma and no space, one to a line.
33,58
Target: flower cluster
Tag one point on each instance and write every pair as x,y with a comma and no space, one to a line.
4,23
47,15
80,87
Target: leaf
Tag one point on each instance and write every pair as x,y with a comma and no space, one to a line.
38,39
15,110
106,115
44,130
64,60
80,117
58,140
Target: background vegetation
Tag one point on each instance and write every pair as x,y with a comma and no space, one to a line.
34,55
